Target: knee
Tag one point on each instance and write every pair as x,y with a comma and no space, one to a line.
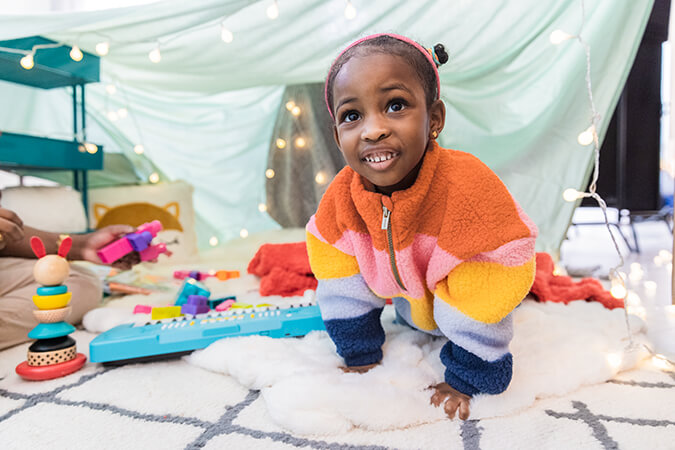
87,292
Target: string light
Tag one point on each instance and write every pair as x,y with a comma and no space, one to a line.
350,11
139,149
273,10
281,143
614,360
243,233
122,113
213,241
661,362
559,36
155,55
27,61
300,142
290,105
269,173
225,34
296,111
102,48
588,136
571,195
76,53
111,89
90,148
154,177
262,207
112,116
321,178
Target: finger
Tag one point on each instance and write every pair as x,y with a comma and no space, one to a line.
450,406
11,216
10,231
438,398
464,409
120,229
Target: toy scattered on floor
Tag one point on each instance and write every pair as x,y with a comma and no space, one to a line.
222,275
196,304
223,303
112,287
54,353
165,312
132,342
139,241
190,287
142,309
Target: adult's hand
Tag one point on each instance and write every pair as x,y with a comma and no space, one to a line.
11,227
93,242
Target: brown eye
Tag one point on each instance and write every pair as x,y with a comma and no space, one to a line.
350,116
396,106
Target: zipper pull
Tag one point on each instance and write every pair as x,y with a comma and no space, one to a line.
385,217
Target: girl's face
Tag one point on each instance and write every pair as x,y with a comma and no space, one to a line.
382,122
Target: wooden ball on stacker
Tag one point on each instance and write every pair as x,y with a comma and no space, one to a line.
51,270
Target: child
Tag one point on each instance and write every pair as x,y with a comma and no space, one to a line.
434,229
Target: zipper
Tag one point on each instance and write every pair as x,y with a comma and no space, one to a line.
386,225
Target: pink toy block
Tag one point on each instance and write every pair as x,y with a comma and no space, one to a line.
227,304
154,251
114,251
142,309
153,227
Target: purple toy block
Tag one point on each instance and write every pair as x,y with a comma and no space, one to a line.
196,304
197,300
114,251
139,241
153,227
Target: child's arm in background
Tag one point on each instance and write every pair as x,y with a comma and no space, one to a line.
350,310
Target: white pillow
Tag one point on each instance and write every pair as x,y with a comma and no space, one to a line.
51,208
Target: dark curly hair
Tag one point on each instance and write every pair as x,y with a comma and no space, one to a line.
390,45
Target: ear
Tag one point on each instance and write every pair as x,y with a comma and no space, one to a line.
437,116
99,211
176,209
37,246
64,248
337,138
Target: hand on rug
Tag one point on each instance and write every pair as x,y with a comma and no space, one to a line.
454,400
358,369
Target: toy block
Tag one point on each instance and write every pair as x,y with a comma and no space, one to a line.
213,304
224,275
225,304
196,304
49,345
52,301
39,373
51,315
153,227
139,241
153,251
142,309
52,290
190,287
50,358
165,312
114,251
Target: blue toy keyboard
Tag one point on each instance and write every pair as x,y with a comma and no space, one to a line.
181,335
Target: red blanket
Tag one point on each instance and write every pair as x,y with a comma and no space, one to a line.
284,270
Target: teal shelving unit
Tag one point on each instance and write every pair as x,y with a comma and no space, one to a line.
53,68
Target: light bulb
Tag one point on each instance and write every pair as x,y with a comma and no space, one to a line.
290,105
559,36
213,241
139,149
122,113
111,89
155,55
27,61
633,299
269,173
570,195
661,362
296,111
273,10
650,287
618,291
614,360
300,142
226,35
112,116
321,177
76,53
243,233
658,261
154,177
665,255
262,207
587,136
281,143
102,48
350,11
90,148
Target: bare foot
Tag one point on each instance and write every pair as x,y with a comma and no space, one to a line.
454,400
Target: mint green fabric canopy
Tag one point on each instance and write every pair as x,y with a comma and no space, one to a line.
205,113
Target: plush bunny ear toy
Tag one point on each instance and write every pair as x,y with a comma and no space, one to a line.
51,270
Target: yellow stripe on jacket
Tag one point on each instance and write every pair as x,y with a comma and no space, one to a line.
329,262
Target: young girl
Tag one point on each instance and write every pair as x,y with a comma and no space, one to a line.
431,228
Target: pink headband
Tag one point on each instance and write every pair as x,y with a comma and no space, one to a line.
395,36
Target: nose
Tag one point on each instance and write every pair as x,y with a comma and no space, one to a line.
375,129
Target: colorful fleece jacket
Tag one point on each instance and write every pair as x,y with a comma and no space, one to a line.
454,251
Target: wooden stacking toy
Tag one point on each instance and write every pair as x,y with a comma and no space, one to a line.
54,353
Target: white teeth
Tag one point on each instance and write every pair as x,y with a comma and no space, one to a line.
377,159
